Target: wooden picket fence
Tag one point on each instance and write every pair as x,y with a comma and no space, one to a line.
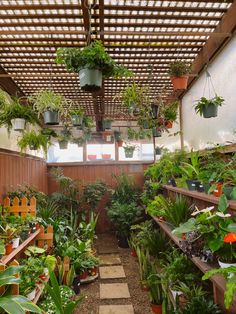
21,207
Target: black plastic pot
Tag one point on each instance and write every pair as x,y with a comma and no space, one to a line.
158,151
76,284
191,185
210,111
51,117
172,182
155,111
123,242
77,120
90,79
199,186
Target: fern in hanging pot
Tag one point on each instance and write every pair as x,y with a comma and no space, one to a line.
50,105
92,63
65,137
129,150
33,141
77,116
208,108
179,73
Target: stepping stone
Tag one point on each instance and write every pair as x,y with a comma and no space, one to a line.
109,259
106,249
116,309
111,272
114,291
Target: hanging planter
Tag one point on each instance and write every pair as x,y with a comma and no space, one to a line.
107,136
92,63
77,116
51,117
169,124
208,108
178,72
129,151
106,124
156,132
154,111
18,124
158,150
63,144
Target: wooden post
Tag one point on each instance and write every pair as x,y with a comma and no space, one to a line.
15,289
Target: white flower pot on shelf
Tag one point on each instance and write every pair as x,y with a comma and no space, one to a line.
15,243
18,124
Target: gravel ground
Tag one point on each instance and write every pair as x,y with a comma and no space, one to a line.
139,298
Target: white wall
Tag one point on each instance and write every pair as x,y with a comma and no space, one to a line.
199,132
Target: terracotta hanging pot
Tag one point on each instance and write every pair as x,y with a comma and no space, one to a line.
179,82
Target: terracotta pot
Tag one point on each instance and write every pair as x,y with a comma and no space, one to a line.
156,308
8,248
119,143
92,157
218,191
179,82
93,271
169,124
83,275
106,156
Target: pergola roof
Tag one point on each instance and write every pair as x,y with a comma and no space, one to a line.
144,35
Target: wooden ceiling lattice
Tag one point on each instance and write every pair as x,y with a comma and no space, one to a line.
144,35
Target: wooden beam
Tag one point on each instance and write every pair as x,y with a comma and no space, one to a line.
86,17
9,85
213,45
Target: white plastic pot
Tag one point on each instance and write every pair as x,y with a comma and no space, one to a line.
18,124
15,243
225,265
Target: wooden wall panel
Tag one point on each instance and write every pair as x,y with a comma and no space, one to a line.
88,173
16,169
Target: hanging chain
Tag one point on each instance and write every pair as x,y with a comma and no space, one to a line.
50,63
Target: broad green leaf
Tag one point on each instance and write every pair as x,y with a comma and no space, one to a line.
9,280
215,244
10,306
185,227
233,194
223,203
26,304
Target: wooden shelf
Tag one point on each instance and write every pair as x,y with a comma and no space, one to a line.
198,195
218,280
7,258
40,290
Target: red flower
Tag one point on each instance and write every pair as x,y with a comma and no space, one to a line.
230,237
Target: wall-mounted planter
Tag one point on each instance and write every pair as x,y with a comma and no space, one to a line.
51,117
179,82
90,79
63,144
18,124
77,120
210,111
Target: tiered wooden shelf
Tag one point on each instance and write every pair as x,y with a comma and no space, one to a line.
8,258
198,195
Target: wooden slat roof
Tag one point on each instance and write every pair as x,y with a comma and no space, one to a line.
144,35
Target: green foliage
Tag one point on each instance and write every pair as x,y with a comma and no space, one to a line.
48,100
125,190
94,192
217,101
16,110
33,141
170,111
179,68
138,134
93,56
191,170
200,305
154,283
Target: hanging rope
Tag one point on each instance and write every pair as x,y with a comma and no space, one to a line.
208,85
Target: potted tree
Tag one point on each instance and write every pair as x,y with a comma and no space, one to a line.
50,105
16,115
34,141
208,108
92,63
178,72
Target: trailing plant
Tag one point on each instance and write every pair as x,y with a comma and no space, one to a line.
33,141
93,56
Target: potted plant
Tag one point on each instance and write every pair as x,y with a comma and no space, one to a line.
191,171
78,140
107,136
92,63
64,137
155,290
118,138
8,234
77,116
156,132
16,115
200,305
34,141
129,150
158,150
106,124
178,72
170,114
50,105
208,108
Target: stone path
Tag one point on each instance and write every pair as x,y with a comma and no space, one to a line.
111,268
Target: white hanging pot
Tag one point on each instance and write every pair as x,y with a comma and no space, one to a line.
15,243
18,124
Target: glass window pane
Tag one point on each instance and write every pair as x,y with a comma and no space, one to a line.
72,153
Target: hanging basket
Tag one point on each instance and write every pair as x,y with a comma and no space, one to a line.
179,82
77,120
154,111
210,111
129,152
18,124
106,124
51,117
156,132
90,79
63,144
158,151
119,143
